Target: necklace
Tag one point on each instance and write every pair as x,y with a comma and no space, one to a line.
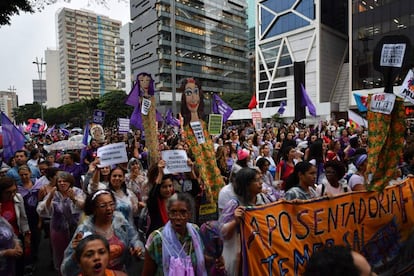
106,233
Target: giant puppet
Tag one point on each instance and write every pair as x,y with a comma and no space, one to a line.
197,136
144,115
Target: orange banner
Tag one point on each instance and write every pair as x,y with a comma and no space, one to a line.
278,239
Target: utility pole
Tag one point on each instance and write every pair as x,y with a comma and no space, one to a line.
39,65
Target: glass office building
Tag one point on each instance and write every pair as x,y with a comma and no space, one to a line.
372,20
202,39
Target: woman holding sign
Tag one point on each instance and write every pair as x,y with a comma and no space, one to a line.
248,189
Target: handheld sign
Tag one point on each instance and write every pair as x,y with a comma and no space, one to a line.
215,124
112,154
98,116
407,87
382,103
175,161
123,125
391,56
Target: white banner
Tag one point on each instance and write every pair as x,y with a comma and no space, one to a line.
392,55
175,161
112,154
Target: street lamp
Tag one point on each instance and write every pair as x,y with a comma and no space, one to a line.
39,65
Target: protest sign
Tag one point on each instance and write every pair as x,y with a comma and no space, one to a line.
257,119
98,117
382,103
215,124
112,154
175,161
123,125
279,238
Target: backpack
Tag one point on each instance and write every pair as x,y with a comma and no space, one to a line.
142,223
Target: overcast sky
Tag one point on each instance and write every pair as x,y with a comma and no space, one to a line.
29,35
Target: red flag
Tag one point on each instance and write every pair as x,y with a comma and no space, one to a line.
253,102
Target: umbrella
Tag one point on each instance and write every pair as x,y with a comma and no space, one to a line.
76,138
65,145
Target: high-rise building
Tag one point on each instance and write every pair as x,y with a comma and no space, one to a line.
311,32
203,39
8,101
39,91
52,79
90,53
371,21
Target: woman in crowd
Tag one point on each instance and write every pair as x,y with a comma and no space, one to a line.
286,166
333,184
357,182
126,201
222,162
247,188
334,150
92,255
10,248
12,209
267,180
315,155
64,206
104,220
177,246
301,182
29,192
137,181
97,177
161,191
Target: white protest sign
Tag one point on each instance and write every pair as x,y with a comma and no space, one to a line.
145,107
112,154
198,132
123,126
382,103
175,161
407,87
392,55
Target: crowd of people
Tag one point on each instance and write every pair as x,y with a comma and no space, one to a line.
133,218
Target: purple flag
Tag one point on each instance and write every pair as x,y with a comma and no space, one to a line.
158,116
306,101
13,139
281,109
136,119
133,97
85,142
170,120
221,107
49,131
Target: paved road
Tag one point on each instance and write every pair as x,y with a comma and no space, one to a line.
43,267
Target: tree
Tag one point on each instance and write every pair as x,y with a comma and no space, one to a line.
237,100
9,8
114,105
28,111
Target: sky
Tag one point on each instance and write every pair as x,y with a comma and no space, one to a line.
29,35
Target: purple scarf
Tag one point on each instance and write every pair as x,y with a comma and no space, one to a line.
171,245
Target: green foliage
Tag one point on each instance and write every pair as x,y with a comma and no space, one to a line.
76,114
237,100
8,8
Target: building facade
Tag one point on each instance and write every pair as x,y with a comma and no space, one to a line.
206,40
8,101
371,21
53,98
309,31
90,53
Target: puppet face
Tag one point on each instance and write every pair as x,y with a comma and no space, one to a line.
192,96
144,82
